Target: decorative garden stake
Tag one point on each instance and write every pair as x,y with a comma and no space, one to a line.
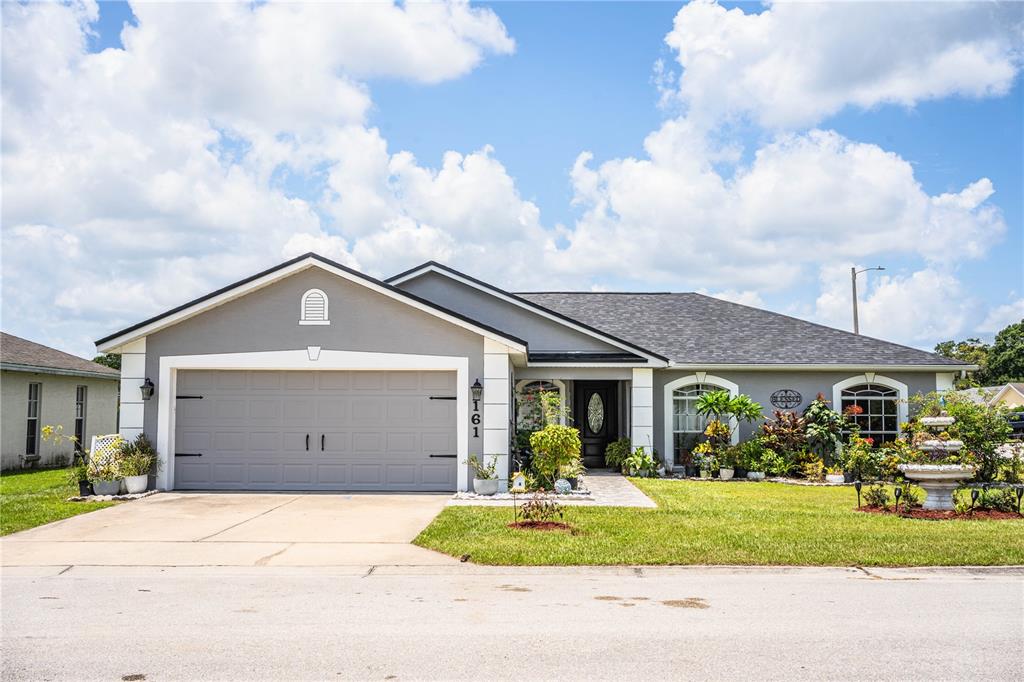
856,486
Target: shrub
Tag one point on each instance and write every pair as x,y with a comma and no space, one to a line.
749,454
616,453
136,457
774,464
876,496
785,432
640,463
859,460
541,507
554,447
813,470
824,428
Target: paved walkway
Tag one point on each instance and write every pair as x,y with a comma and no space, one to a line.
607,489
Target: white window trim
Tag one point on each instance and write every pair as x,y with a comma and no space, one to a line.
302,308
299,360
667,404
561,395
903,394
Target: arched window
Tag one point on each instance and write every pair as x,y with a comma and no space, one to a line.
880,405
314,308
527,401
684,428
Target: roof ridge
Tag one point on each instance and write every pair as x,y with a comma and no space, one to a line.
612,293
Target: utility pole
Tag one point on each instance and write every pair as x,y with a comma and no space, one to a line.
853,281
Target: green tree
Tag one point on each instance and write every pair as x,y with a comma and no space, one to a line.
1006,356
974,351
108,359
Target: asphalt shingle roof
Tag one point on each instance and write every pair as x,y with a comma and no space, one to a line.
696,329
15,350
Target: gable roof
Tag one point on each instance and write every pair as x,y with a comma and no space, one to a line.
698,330
279,272
544,311
21,355
1012,386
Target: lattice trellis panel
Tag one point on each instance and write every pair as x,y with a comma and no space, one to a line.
104,449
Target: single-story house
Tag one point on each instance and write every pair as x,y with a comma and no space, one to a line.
313,376
1010,395
42,386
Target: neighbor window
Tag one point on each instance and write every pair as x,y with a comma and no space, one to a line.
32,426
878,413
80,400
687,425
314,308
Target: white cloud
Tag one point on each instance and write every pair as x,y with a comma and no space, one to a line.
796,63
915,309
1001,316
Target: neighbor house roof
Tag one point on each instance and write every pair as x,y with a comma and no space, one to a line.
21,355
693,329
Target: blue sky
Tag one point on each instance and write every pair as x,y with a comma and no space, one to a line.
651,208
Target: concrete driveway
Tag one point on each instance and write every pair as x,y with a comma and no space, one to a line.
236,529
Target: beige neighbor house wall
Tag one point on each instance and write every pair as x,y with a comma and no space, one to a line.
57,406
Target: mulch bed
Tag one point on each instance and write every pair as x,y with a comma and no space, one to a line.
939,515
541,525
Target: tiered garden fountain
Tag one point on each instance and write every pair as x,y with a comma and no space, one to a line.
938,479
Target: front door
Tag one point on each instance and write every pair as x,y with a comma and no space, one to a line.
596,416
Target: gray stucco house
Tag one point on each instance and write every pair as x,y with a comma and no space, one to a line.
42,386
313,376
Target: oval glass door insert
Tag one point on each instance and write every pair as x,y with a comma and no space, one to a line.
595,413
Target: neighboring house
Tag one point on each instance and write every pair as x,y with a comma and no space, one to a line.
311,375
42,386
1010,395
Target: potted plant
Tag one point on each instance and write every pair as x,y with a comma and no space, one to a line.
640,463
485,477
835,475
78,475
704,458
616,452
105,476
573,472
135,460
727,464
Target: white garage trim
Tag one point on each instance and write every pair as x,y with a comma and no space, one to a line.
300,360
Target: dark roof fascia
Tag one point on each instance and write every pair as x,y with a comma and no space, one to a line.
325,261
61,371
583,357
528,304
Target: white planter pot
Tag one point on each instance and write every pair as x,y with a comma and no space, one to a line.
705,474
106,487
136,484
938,480
485,486
835,478
725,474
755,475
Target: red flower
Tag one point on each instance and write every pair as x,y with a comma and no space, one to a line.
869,441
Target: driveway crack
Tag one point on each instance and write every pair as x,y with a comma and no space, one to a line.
263,561
251,518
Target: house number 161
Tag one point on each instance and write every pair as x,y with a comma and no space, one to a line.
475,419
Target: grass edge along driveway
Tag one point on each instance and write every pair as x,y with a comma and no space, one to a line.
38,496
768,524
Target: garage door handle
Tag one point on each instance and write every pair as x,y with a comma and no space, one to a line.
307,442
445,456
322,439
188,454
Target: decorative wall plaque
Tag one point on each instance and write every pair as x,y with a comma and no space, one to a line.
786,398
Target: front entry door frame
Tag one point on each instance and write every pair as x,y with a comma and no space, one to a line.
303,360
609,392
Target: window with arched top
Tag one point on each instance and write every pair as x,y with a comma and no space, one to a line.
684,428
314,308
876,404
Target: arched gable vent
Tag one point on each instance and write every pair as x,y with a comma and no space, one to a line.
314,308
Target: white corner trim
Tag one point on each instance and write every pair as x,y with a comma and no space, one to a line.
903,393
667,407
532,307
281,273
300,360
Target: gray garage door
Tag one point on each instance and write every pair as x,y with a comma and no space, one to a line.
242,430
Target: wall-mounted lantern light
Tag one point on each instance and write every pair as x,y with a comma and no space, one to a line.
478,390
147,389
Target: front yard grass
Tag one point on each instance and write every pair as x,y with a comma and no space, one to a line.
32,498
722,523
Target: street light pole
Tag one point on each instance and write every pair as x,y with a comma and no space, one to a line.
853,281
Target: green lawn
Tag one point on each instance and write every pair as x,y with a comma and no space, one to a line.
715,523
32,498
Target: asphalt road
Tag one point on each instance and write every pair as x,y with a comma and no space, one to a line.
466,622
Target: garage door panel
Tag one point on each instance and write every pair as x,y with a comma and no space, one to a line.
378,431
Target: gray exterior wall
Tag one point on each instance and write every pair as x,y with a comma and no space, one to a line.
540,333
760,385
267,320
57,407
